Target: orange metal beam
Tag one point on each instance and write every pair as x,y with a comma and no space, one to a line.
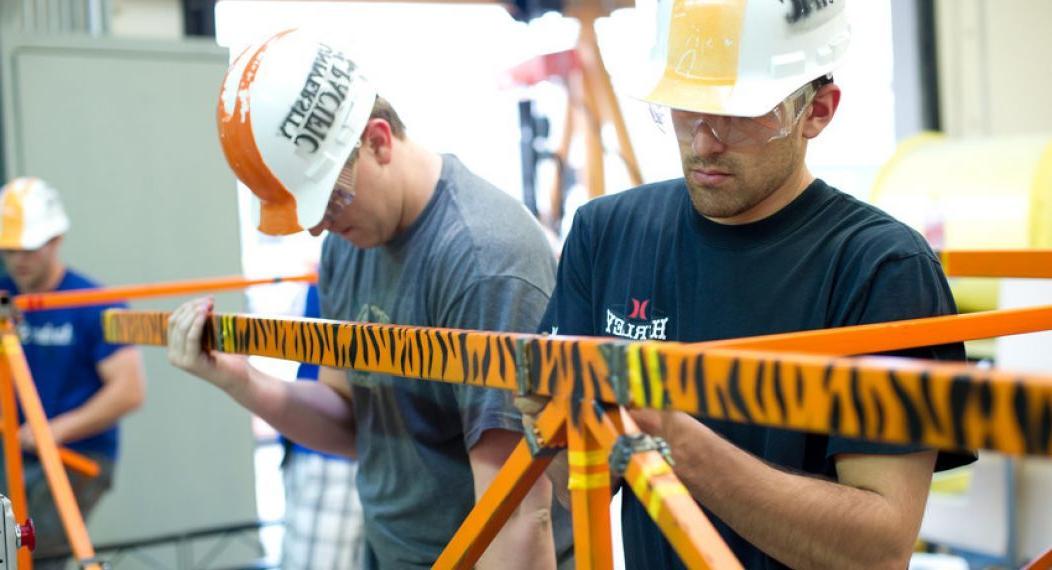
589,485
78,298
1043,562
898,335
16,485
941,405
1020,263
504,494
61,492
668,502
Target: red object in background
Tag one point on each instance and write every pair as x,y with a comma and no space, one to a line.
544,67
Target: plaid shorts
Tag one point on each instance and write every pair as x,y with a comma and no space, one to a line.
323,516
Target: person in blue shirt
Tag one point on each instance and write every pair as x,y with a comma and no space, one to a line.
323,513
85,384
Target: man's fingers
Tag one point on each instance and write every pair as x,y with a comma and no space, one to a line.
531,405
185,327
175,340
196,329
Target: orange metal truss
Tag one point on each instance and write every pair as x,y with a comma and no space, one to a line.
797,381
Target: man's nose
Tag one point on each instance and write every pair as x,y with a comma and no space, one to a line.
705,142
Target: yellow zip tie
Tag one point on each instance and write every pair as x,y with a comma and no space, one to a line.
657,390
635,376
660,492
587,458
587,481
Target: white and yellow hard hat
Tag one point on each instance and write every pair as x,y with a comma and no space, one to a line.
740,57
291,111
31,213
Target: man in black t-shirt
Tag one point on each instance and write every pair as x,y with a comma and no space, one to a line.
749,243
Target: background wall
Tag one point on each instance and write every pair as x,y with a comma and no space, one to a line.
125,130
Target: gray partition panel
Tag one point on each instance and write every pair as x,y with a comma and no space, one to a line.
126,132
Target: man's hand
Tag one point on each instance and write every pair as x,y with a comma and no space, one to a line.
669,426
530,407
185,327
26,439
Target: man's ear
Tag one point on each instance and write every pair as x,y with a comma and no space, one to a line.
378,139
823,107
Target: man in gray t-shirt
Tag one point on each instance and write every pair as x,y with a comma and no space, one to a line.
414,239
472,259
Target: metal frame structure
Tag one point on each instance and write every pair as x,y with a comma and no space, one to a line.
803,381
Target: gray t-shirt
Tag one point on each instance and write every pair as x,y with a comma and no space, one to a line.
475,259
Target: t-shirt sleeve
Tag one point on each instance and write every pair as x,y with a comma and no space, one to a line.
569,311
93,334
910,287
502,303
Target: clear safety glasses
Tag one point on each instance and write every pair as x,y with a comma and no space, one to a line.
743,132
344,191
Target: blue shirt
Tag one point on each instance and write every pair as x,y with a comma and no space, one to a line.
645,265
63,348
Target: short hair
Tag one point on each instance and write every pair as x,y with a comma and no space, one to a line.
382,109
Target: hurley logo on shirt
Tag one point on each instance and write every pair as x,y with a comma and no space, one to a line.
46,334
638,321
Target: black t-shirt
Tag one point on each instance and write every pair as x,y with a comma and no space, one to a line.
644,264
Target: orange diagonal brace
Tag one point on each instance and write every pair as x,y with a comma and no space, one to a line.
80,463
668,502
1043,562
1021,263
504,494
897,335
16,486
65,502
77,298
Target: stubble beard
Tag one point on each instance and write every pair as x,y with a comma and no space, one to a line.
745,190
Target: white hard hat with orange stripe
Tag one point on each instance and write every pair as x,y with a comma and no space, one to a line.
291,111
740,58
31,213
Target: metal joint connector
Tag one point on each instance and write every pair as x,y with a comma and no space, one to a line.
629,444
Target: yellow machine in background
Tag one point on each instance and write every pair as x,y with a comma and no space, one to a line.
977,194
983,193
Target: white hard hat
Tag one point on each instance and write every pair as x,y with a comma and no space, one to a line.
740,57
31,213
291,111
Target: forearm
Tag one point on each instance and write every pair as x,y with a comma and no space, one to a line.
309,413
802,521
96,415
526,541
